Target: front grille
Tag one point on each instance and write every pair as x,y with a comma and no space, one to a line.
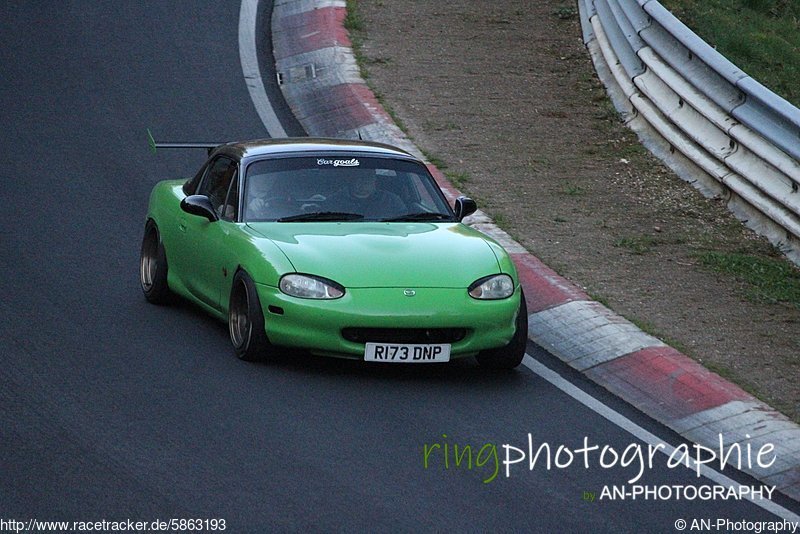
404,335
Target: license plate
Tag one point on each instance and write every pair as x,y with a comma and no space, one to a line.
403,353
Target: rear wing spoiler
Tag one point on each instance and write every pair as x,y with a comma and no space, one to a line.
155,146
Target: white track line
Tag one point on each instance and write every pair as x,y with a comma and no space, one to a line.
642,434
252,74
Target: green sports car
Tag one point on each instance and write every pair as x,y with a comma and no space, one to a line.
342,248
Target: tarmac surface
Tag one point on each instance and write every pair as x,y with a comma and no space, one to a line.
640,368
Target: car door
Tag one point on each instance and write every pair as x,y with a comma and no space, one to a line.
205,242
222,253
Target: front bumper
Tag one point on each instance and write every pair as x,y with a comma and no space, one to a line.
317,325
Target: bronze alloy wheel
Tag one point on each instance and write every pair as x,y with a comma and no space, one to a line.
239,323
153,266
246,320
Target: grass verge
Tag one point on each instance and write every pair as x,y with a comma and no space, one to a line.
762,37
771,280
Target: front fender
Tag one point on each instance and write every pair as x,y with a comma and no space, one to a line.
503,259
259,257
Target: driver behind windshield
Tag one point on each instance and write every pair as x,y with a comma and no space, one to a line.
362,195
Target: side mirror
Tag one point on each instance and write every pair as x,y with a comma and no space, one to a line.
199,205
464,206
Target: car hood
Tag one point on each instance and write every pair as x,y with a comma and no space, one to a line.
385,254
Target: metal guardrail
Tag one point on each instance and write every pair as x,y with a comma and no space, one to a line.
713,123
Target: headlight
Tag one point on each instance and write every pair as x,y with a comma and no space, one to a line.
310,287
498,286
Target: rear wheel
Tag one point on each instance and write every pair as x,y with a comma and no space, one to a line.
153,266
511,355
246,320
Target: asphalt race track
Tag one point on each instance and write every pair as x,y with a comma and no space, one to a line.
111,408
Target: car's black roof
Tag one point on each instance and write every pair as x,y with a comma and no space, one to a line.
311,145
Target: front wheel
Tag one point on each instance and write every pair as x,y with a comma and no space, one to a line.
511,355
246,320
153,266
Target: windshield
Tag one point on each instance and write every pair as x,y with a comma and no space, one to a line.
342,188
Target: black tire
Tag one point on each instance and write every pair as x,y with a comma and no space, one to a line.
153,266
511,355
246,320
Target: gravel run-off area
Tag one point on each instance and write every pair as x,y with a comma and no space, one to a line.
503,97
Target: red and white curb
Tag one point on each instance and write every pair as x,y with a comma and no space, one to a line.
321,83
